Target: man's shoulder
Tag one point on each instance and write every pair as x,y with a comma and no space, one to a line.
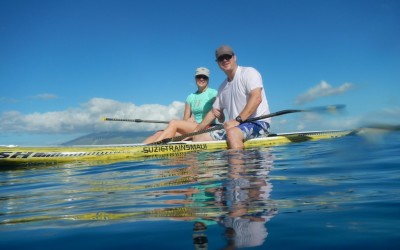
248,70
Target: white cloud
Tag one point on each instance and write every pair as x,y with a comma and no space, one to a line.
45,96
88,118
7,100
388,115
321,90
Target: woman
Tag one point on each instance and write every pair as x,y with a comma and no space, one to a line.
197,105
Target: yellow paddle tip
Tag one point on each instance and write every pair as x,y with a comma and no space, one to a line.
104,119
332,108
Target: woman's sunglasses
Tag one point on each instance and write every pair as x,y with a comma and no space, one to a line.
202,77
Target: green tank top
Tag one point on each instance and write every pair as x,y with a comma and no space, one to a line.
201,104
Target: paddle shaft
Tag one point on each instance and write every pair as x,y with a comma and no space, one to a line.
133,120
221,126
278,113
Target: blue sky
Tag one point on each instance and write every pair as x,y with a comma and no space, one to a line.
66,64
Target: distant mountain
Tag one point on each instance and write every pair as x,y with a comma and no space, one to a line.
105,138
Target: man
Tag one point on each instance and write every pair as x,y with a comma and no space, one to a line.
240,96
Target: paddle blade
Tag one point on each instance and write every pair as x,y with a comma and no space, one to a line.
384,126
328,109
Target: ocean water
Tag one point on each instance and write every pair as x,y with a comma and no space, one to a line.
331,194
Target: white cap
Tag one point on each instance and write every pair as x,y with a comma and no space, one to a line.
202,71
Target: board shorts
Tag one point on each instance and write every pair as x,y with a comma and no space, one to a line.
250,130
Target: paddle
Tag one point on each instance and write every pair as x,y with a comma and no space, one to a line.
383,126
322,109
132,120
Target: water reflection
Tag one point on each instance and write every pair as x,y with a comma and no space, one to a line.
239,202
245,194
200,239
228,189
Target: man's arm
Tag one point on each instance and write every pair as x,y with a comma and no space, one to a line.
206,121
251,107
219,114
252,104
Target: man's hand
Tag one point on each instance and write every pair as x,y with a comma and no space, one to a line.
230,124
219,114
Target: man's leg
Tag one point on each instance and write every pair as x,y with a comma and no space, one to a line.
234,138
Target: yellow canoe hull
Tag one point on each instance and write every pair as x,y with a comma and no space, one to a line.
125,152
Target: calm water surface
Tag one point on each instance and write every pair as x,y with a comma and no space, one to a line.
332,194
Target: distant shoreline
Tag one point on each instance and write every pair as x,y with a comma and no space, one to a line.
104,138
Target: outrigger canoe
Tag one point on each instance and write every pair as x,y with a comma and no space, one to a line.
116,153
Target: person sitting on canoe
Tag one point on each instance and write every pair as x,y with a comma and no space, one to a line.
241,95
198,104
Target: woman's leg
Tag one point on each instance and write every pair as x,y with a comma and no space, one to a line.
153,137
177,126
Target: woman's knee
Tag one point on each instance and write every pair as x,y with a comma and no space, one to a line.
173,123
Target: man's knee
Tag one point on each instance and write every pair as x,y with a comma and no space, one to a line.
234,134
234,138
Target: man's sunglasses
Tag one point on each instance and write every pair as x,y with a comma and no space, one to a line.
224,57
202,77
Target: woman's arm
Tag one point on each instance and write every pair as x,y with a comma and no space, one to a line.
188,113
